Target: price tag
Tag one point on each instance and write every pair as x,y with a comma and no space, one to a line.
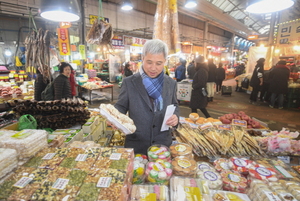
104,182
115,156
285,159
49,156
22,182
60,183
272,196
81,157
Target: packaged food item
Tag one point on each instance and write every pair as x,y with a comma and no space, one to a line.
140,162
204,166
233,181
8,161
229,196
159,152
184,188
53,159
258,171
183,166
212,177
240,165
221,164
181,149
159,172
149,192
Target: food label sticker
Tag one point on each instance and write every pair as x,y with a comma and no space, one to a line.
60,183
22,182
239,122
104,182
158,167
234,178
182,120
192,125
211,176
285,159
148,197
224,127
240,162
180,148
184,163
115,156
206,126
21,134
263,171
203,167
49,156
283,171
272,196
224,165
287,196
81,157
192,193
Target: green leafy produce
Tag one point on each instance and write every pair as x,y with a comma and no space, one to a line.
119,164
68,163
76,177
34,162
88,192
6,189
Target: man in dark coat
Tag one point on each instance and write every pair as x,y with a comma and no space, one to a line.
212,68
279,77
191,70
39,86
256,81
199,94
220,76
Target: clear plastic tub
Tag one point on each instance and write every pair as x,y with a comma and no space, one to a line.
212,177
159,172
159,151
149,192
181,149
183,166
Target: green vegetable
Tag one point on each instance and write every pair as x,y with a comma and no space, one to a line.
68,163
76,177
6,189
119,164
88,192
34,162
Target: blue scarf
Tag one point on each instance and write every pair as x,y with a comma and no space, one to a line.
154,87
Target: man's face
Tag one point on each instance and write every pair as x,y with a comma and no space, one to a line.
153,64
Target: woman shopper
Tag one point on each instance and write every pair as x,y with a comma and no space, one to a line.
256,81
211,80
127,70
62,87
279,77
199,95
220,77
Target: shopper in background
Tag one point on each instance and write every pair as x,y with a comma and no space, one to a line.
294,68
199,94
145,96
180,71
279,77
62,87
256,81
265,93
191,69
127,70
39,86
212,68
220,77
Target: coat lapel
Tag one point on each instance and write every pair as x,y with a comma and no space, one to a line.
138,84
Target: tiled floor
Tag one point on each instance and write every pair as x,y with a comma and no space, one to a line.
238,101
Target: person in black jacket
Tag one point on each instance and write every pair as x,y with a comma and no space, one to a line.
212,68
220,76
256,81
279,77
127,70
62,87
191,70
199,96
39,86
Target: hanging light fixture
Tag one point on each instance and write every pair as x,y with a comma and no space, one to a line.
60,10
190,3
126,5
268,6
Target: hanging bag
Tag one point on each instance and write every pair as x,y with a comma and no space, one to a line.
27,122
48,93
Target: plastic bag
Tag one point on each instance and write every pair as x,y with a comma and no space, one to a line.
27,122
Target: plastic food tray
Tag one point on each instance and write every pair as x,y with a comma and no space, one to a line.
114,121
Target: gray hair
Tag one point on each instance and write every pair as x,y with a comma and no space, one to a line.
155,46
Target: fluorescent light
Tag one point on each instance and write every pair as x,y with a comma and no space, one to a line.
57,16
7,53
190,4
269,6
127,5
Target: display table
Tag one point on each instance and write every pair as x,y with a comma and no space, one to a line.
89,91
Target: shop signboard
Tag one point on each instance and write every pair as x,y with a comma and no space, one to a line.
82,51
65,25
136,49
134,41
288,32
117,42
92,19
63,41
184,91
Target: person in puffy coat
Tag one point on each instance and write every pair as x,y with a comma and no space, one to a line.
62,87
199,94
279,77
256,81
212,68
180,71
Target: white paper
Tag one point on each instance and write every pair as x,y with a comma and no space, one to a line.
169,112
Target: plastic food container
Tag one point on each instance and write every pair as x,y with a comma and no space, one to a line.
212,177
183,166
139,168
240,165
159,152
204,166
221,164
181,149
149,192
233,181
159,172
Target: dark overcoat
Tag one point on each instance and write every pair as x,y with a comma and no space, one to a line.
62,87
279,77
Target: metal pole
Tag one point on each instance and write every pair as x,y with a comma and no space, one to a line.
205,39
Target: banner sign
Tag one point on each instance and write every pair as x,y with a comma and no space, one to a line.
82,51
63,41
288,32
133,41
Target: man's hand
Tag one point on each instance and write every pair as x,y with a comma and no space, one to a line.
172,121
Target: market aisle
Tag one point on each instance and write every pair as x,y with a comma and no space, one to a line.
238,101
